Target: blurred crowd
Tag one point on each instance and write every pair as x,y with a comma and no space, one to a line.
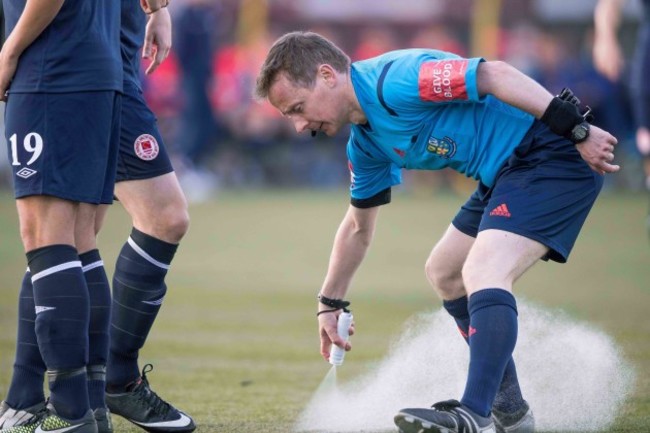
220,137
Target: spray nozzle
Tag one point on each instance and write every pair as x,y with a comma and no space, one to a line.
343,329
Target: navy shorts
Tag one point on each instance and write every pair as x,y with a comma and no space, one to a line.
543,192
64,144
142,153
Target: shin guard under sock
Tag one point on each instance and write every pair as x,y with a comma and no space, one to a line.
26,387
62,316
509,398
492,337
138,292
98,331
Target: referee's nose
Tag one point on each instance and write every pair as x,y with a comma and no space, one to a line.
300,124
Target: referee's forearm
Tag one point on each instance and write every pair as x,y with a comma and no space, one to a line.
349,250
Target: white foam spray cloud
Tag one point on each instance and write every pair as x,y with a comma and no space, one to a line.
574,376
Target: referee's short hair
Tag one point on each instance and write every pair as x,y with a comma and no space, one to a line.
298,55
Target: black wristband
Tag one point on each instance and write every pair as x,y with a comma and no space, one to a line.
337,304
562,116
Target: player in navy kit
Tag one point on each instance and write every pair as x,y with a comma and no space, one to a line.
536,158
149,190
608,59
61,74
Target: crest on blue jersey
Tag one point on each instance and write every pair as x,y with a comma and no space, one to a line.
442,147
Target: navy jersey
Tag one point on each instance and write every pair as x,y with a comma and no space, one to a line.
78,51
640,68
424,112
134,22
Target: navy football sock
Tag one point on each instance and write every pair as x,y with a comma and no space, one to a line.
62,317
509,398
26,387
138,292
492,338
100,318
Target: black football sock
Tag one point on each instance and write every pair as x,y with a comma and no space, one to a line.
138,292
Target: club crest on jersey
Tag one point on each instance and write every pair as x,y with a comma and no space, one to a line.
442,147
146,147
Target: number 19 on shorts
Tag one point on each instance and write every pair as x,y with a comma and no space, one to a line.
33,145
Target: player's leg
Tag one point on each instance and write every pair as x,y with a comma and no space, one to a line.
444,271
53,137
89,223
149,191
492,333
60,297
25,395
496,260
445,263
160,220
159,212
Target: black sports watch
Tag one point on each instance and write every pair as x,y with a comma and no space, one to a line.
579,133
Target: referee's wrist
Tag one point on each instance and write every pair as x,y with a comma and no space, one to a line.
332,303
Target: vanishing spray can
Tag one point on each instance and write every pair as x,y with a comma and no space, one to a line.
343,328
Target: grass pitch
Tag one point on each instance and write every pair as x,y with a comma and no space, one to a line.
235,344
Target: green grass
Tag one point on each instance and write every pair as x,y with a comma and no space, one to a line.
236,346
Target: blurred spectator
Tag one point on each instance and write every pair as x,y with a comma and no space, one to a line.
254,127
374,41
520,47
609,60
197,133
439,37
194,45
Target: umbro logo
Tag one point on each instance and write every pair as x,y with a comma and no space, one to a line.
26,172
501,210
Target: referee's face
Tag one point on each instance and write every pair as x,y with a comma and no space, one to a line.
320,108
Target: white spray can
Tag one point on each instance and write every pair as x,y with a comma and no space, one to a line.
343,328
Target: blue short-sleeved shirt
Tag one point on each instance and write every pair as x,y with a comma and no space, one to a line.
132,33
78,51
424,113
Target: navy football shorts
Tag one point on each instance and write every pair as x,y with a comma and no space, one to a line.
64,144
142,154
543,192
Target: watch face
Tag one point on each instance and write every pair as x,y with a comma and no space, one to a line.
580,133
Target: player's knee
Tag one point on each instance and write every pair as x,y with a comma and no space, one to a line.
178,224
172,224
479,275
28,235
446,281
